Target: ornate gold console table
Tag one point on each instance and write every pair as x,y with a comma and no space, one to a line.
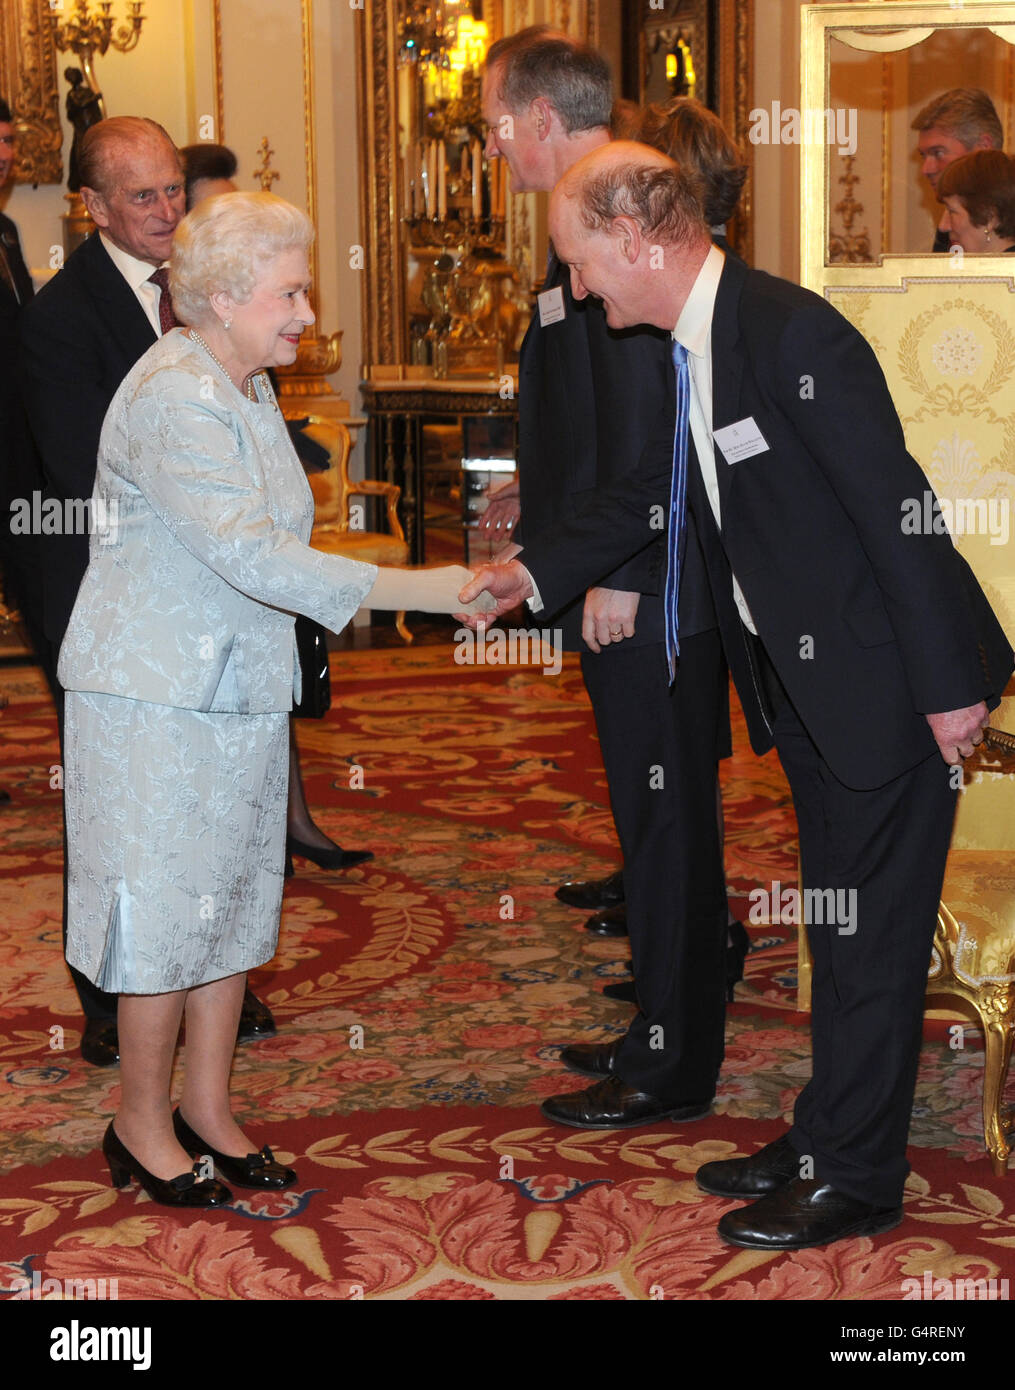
398,409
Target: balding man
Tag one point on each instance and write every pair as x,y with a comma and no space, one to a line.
79,338
590,404
864,654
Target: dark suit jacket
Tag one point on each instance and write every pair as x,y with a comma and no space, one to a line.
897,625
18,476
590,402
79,338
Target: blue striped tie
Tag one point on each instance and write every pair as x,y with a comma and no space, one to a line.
676,533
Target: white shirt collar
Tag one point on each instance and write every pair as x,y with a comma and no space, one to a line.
695,321
135,272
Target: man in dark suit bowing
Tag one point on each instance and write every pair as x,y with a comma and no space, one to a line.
590,402
864,654
79,338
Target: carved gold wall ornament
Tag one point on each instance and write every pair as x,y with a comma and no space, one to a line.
28,80
849,245
265,174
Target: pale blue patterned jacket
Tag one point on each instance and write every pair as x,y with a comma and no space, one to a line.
203,559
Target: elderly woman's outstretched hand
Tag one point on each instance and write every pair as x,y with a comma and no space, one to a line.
427,591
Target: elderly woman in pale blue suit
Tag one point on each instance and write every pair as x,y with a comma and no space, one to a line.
179,665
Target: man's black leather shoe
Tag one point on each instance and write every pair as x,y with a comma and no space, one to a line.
255,1020
623,990
608,921
766,1171
591,1059
595,892
611,1104
804,1213
100,1046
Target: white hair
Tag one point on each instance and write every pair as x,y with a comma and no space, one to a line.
225,244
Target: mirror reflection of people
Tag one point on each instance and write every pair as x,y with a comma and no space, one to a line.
179,671
952,125
209,170
978,194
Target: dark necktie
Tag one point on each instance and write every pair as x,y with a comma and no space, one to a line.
167,317
677,532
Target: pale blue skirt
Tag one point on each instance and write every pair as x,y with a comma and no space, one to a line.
175,841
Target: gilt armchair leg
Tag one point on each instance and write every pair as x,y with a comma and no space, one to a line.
997,1050
401,628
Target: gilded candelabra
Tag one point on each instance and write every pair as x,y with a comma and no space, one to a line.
86,34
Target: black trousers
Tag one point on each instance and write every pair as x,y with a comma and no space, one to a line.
888,848
659,750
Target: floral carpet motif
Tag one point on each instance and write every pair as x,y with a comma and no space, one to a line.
422,1000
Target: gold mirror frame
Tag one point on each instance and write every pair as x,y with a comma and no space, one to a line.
385,321
28,81
819,25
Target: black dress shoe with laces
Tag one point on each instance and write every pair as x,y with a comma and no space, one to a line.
594,892
591,1059
612,1104
100,1043
255,1020
254,1170
185,1190
766,1171
804,1213
608,921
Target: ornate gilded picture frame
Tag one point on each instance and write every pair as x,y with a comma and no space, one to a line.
28,81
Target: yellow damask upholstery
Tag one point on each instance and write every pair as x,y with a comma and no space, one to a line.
944,333
334,530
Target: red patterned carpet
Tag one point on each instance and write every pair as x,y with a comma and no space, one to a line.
421,1003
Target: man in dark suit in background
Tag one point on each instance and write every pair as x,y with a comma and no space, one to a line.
590,403
954,124
18,477
79,338
863,654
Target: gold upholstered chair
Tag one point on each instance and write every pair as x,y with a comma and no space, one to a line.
334,530
974,945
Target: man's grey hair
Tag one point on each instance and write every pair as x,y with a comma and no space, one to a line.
666,203
965,113
539,62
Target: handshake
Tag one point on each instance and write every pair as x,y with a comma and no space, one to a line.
474,598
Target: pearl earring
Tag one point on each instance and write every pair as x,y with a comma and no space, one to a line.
227,324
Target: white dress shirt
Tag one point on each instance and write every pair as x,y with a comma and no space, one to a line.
137,274
694,332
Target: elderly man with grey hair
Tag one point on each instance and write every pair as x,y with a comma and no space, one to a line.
591,404
866,656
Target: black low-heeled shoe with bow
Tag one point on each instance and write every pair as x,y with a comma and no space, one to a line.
255,1170
185,1190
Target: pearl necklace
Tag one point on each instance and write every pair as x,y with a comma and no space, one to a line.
250,392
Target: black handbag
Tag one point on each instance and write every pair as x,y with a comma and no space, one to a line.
312,652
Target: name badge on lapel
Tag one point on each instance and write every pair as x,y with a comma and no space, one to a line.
740,441
551,306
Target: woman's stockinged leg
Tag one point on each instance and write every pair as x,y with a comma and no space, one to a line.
148,1027
213,1012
